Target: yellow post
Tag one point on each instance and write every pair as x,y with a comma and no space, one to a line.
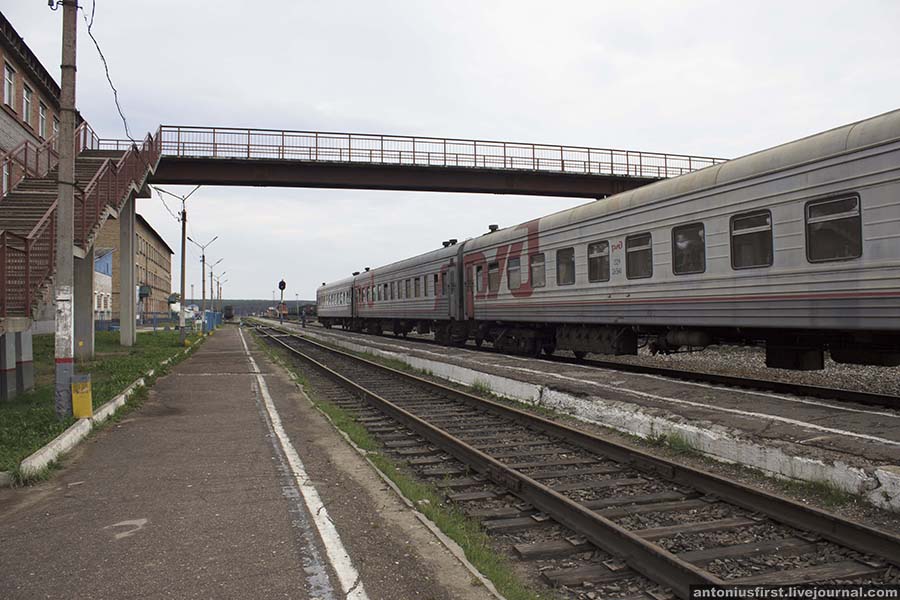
82,402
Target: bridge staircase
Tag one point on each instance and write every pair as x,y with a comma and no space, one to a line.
107,173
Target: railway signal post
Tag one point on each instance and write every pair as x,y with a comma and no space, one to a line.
281,286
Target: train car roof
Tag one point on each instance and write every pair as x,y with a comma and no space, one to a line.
861,134
440,253
346,281
431,255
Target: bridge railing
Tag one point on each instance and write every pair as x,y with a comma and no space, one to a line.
222,142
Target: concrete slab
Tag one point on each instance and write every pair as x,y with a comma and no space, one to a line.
190,497
854,447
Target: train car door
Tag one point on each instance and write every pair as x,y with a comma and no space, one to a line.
452,291
470,292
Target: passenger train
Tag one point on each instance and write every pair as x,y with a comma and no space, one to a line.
796,248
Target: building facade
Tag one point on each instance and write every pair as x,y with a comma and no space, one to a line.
103,265
29,100
153,266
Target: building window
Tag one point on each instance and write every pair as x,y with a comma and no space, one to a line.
638,256
536,271
598,261
42,120
9,85
565,266
751,240
6,178
833,229
479,278
27,99
688,249
494,277
514,273
55,133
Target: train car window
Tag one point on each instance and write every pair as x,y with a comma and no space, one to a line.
385,291
565,266
688,249
537,271
443,284
751,240
434,285
598,262
416,286
638,256
479,278
406,289
833,229
514,273
393,289
493,277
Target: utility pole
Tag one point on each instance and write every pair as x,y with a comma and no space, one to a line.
183,219
64,348
183,333
203,276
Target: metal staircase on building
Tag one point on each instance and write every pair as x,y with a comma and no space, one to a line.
105,178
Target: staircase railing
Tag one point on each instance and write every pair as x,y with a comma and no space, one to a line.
30,160
27,262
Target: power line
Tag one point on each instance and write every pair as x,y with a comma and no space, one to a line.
90,24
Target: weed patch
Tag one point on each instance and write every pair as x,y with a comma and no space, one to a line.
29,421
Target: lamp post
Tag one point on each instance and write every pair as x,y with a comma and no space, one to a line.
203,276
183,219
212,290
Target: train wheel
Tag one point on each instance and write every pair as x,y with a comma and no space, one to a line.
579,354
549,349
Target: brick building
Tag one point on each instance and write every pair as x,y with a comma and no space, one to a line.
29,99
153,265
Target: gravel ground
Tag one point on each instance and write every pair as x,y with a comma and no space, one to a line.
743,361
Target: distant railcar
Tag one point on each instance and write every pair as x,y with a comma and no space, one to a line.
796,248
228,311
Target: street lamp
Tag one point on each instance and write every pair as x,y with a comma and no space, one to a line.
183,220
212,290
203,276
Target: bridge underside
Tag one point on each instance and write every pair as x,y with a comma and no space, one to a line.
342,175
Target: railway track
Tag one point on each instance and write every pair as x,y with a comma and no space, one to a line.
592,514
765,385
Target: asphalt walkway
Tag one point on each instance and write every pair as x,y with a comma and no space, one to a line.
226,483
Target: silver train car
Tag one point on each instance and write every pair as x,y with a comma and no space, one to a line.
796,248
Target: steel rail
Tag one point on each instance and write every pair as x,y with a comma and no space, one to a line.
764,385
643,557
856,536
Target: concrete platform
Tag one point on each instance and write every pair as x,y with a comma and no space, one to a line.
205,492
854,447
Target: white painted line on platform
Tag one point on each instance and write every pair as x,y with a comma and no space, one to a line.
349,578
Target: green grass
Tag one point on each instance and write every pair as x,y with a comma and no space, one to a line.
425,497
675,442
29,422
825,492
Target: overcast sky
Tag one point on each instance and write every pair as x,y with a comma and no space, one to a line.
707,78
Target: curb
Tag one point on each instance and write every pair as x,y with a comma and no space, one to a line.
451,546
880,486
70,438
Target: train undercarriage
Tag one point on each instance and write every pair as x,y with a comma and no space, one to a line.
801,350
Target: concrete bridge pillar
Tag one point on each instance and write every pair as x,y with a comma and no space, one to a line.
24,361
84,306
127,292
7,366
